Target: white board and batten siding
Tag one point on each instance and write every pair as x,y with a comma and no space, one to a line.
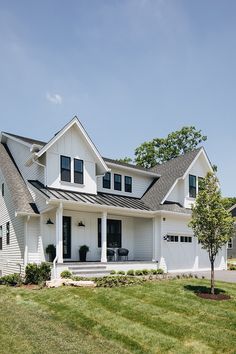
12,255
73,145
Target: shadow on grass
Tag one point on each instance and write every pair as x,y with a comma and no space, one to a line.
200,289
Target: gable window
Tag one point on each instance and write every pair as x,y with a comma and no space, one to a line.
192,186
230,243
172,238
113,233
8,233
106,182
117,182
65,169
78,171
2,189
128,184
185,239
0,238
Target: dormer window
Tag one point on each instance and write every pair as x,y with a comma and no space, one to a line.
117,182
128,184
192,186
106,183
65,168
78,171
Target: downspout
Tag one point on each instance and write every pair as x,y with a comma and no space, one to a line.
26,241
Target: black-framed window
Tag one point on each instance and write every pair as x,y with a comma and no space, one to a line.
3,191
78,171
172,238
8,233
65,168
186,239
192,186
106,181
113,233
1,237
117,182
128,184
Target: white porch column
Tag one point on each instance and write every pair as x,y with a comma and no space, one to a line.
196,261
26,240
155,239
59,234
104,237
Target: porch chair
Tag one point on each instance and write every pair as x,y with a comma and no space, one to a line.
123,252
110,254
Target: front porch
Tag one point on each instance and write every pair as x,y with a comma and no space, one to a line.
68,230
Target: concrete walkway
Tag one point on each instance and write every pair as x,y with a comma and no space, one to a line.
221,275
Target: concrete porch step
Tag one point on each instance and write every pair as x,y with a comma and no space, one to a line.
88,267
90,271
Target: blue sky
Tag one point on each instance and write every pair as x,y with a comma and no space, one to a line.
131,70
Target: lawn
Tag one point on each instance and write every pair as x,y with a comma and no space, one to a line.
156,317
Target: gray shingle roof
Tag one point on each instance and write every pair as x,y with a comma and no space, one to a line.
99,198
170,172
136,167
20,194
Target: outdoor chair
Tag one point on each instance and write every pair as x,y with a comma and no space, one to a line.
110,254
123,252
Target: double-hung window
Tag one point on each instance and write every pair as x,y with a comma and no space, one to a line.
65,169
117,182
106,182
2,189
78,171
128,184
0,237
230,243
192,186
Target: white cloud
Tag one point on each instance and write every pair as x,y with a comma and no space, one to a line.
54,98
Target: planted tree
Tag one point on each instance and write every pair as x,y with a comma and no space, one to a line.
211,222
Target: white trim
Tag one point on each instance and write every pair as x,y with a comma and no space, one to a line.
87,138
134,170
232,207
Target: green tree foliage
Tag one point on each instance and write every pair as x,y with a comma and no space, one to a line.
160,150
229,202
211,222
125,159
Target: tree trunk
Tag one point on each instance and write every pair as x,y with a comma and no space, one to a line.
212,278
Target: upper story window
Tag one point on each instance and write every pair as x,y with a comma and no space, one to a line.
78,171
230,243
3,190
128,184
8,233
106,182
65,168
117,182
0,237
192,186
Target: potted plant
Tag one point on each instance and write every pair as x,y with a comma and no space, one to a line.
83,253
51,251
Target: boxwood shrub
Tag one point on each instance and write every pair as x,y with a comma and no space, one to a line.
111,282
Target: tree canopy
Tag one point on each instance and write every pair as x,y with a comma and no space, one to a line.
160,150
211,222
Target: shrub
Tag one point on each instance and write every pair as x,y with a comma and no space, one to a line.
66,274
160,271
154,271
138,272
111,282
113,272
232,267
131,272
145,271
121,272
11,279
34,273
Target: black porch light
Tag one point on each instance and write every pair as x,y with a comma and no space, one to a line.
49,222
81,224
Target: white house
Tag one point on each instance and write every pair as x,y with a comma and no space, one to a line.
65,193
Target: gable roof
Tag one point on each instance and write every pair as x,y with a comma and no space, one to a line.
20,194
170,172
128,166
25,139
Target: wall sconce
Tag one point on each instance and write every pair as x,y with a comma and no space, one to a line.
49,222
81,224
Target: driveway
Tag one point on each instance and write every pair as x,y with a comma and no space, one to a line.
221,275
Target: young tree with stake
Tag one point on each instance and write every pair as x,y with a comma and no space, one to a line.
211,222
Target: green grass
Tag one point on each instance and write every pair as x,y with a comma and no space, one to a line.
156,317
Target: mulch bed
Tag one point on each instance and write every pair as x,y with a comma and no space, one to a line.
218,297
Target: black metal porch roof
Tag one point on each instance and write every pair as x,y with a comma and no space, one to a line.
100,198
